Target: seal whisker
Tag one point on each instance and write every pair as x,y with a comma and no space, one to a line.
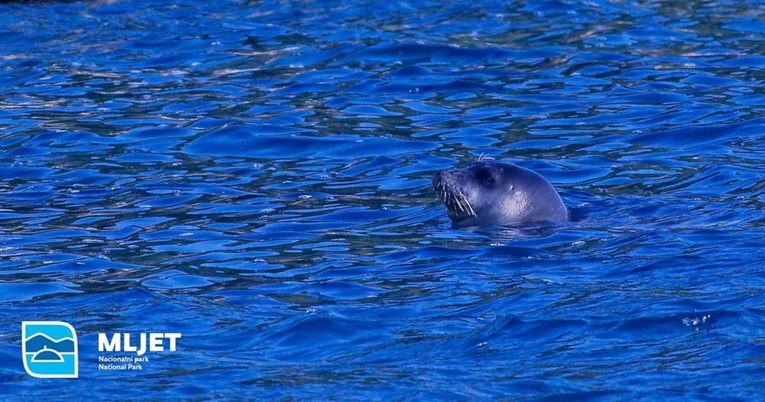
456,202
470,210
466,207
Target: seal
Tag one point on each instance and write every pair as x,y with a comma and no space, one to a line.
498,194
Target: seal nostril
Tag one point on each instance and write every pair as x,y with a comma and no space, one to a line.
439,178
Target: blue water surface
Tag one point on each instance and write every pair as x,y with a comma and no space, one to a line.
256,176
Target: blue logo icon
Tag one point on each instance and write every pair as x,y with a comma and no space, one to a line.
49,349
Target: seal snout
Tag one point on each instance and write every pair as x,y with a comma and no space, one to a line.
447,190
439,178
443,185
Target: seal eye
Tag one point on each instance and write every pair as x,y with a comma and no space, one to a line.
484,177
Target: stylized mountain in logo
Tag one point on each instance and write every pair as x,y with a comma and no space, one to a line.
40,341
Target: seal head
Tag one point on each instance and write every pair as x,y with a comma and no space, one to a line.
498,194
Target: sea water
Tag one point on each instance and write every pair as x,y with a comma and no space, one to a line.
256,177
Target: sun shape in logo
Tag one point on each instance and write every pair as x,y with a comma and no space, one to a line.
49,349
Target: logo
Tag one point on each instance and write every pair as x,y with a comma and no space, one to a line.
49,349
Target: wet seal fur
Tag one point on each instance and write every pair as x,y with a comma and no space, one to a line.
498,194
